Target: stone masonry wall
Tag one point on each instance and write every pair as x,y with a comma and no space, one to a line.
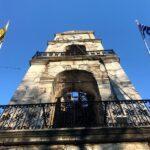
37,85
120,82
106,146
61,46
61,41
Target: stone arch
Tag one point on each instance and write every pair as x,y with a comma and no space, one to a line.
76,80
84,113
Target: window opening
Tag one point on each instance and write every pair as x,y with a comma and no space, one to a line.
76,50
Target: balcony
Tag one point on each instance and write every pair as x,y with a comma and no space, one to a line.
104,114
90,55
61,54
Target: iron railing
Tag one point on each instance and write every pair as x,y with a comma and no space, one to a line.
126,113
64,54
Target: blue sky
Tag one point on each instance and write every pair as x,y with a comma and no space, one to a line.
34,22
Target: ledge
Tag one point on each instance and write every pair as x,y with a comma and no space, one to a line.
75,32
74,136
75,40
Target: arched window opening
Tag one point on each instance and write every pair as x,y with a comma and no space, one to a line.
76,92
77,97
76,50
77,81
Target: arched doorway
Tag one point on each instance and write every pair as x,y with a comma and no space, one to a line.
76,93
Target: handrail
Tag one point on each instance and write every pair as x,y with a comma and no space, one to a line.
125,113
64,54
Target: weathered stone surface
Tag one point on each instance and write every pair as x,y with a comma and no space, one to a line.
111,146
38,83
122,85
41,84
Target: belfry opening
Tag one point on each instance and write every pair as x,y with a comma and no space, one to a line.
75,94
76,82
75,49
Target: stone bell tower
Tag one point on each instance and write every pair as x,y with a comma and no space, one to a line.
75,96
73,60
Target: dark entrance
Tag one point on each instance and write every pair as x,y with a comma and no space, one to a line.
76,93
75,109
75,50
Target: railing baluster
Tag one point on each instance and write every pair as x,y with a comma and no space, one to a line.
44,116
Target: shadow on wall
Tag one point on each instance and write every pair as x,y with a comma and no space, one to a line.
28,95
81,145
119,93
